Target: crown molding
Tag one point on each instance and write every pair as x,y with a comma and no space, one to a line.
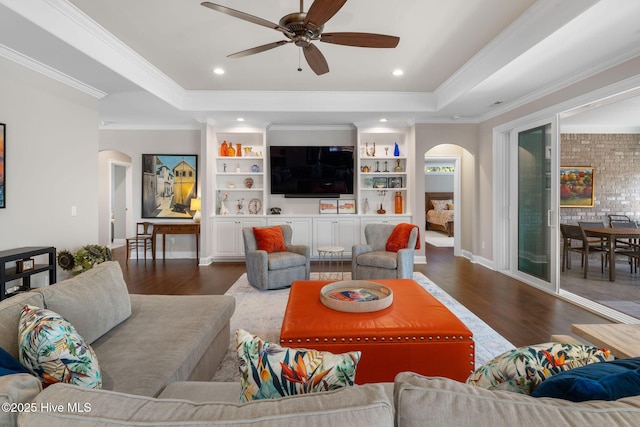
537,23
25,61
65,21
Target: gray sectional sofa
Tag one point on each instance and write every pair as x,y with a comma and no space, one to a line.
142,342
152,352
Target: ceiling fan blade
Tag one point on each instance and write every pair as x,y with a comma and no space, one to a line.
245,16
361,39
322,10
258,49
315,59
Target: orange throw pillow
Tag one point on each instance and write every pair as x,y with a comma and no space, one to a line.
269,239
399,237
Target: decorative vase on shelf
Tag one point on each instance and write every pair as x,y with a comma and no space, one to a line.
398,202
230,150
239,150
366,207
398,168
396,150
223,149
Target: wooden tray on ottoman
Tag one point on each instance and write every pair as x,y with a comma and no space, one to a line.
383,296
416,333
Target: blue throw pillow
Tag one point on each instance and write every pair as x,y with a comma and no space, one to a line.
10,365
598,381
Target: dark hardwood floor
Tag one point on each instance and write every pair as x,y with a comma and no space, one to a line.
521,313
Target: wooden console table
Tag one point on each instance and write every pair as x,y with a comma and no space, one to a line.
176,228
622,339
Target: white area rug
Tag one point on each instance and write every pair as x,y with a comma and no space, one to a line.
438,239
261,313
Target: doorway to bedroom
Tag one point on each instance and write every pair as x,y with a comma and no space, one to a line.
442,192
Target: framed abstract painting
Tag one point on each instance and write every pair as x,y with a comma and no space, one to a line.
576,186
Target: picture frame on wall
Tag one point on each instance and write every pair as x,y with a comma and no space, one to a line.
346,206
3,185
577,185
169,182
328,206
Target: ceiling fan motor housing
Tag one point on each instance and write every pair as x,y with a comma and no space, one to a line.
303,34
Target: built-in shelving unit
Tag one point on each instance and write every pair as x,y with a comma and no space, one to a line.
240,184
383,170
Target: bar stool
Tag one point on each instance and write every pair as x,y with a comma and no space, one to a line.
142,240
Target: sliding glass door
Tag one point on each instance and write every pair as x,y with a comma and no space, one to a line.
533,205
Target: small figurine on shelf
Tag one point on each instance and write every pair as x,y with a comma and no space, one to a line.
371,153
223,205
224,167
240,205
386,166
381,193
366,207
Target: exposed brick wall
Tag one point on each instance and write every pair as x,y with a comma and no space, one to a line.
616,158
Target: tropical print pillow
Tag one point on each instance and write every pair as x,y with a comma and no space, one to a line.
52,349
269,371
521,370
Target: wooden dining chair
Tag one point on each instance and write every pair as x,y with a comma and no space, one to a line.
574,240
593,245
628,247
142,240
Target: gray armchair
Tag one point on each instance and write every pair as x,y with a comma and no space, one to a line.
373,261
275,269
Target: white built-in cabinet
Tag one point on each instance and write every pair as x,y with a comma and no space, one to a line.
335,231
240,181
227,235
301,227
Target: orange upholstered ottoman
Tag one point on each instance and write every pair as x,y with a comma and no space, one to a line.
416,333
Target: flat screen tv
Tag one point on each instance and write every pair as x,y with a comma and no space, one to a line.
311,171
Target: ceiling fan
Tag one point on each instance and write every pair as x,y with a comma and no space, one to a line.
303,28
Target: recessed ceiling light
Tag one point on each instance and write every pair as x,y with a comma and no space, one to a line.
240,119
218,71
383,120
398,72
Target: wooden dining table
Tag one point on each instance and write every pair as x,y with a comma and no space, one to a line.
611,235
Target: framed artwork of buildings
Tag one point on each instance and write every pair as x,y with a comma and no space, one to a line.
169,182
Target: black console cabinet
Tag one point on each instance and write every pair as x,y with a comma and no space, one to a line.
13,273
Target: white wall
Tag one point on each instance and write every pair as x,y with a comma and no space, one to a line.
51,161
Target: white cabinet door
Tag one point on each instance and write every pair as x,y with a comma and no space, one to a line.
336,231
301,228
228,235
225,236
